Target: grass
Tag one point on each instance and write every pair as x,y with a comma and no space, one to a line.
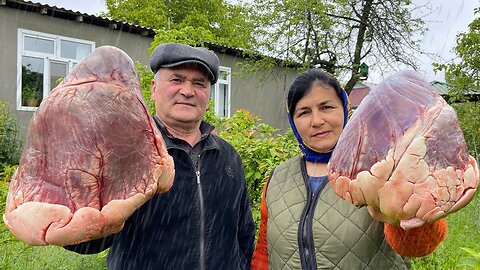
464,232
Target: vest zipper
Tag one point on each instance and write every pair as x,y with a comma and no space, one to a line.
305,231
308,257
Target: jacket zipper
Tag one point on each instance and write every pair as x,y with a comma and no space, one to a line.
202,219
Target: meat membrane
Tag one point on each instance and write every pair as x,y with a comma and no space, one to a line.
404,155
92,156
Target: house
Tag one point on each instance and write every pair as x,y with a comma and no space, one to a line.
442,89
362,89
42,43
359,92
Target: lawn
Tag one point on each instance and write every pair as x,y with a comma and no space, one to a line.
464,231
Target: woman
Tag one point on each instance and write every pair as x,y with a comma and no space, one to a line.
304,224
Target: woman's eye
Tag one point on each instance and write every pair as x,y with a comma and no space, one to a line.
302,113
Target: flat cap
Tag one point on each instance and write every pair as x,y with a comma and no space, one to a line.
175,54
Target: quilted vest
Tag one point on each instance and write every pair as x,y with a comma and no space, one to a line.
340,235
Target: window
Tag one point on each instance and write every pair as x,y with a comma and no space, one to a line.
43,60
220,93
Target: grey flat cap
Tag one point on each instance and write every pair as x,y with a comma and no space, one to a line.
175,54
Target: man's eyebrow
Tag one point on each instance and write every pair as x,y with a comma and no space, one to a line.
178,75
183,77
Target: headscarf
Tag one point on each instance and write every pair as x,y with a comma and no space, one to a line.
309,154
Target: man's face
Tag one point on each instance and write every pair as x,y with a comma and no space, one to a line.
181,95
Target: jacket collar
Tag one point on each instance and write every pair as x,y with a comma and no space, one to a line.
171,141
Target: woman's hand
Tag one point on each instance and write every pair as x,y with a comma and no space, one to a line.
379,216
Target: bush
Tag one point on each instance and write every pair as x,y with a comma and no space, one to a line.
10,144
261,148
469,118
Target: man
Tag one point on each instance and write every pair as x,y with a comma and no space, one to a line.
204,221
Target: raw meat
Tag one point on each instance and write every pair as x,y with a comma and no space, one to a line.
403,154
93,155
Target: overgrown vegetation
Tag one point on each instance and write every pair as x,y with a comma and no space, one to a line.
261,147
10,144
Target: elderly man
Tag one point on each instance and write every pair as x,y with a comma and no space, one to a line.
204,221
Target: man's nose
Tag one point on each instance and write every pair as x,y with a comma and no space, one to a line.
187,89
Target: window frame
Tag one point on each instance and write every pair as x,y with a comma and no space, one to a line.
47,58
216,88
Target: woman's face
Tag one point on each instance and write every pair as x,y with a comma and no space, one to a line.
318,117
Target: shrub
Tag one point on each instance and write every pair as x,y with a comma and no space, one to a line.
469,118
10,144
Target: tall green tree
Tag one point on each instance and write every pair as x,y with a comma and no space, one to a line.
189,21
338,35
463,73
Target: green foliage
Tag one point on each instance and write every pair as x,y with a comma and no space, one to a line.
469,118
261,148
471,260
7,172
10,144
463,231
187,35
146,76
216,21
463,74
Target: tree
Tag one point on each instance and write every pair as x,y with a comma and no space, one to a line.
338,35
215,21
463,78
463,74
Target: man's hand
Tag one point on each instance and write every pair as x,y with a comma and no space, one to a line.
165,169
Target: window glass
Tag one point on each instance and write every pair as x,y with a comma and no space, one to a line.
45,59
32,81
37,44
222,100
223,75
212,92
58,71
74,50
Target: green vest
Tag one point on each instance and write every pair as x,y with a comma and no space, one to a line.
340,235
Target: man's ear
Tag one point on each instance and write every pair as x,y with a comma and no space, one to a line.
152,88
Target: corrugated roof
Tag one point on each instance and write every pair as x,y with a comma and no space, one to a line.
440,87
359,92
71,15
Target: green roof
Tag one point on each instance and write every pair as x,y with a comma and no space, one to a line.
440,87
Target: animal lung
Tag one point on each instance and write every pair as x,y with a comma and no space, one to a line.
92,156
404,154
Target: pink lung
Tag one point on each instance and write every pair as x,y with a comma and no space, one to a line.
403,154
92,156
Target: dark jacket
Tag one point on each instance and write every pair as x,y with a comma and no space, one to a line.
203,222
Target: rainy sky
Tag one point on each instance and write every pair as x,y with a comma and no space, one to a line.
445,20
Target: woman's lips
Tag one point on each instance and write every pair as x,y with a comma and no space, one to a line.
321,134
